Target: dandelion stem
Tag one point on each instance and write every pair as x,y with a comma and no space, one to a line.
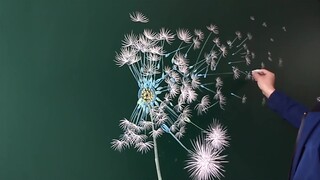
208,83
215,74
166,129
178,49
235,62
204,87
197,126
155,150
188,50
237,51
215,67
196,67
203,47
134,75
242,42
212,105
232,94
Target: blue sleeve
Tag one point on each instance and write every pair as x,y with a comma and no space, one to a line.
287,108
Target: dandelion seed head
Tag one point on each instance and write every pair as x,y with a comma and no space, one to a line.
204,162
217,136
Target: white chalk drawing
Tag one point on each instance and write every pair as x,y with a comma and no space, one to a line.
178,78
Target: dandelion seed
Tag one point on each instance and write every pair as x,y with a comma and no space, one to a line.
238,34
263,102
199,34
284,28
118,145
224,51
280,62
269,58
129,40
184,35
196,43
138,17
216,40
202,107
252,18
144,147
264,24
236,72
146,125
248,60
243,98
149,34
204,162
192,96
271,39
253,55
166,35
263,65
181,132
156,133
217,136
213,28
195,81
219,82
125,124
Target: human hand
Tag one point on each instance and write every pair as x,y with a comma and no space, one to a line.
265,80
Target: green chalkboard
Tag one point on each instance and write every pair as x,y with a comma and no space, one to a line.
62,95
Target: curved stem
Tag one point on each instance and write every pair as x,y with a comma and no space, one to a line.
155,150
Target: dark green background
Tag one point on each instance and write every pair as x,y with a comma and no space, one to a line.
62,96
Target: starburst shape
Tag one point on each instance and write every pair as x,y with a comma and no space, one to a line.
205,162
217,136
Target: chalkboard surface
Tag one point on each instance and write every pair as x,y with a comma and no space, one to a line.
62,95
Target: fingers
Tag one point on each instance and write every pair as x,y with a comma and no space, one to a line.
259,73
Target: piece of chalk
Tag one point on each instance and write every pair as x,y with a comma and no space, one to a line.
259,71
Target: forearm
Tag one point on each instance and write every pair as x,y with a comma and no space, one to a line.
287,108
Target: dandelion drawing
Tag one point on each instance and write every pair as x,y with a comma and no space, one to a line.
178,76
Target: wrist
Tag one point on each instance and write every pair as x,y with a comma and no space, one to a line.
268,92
